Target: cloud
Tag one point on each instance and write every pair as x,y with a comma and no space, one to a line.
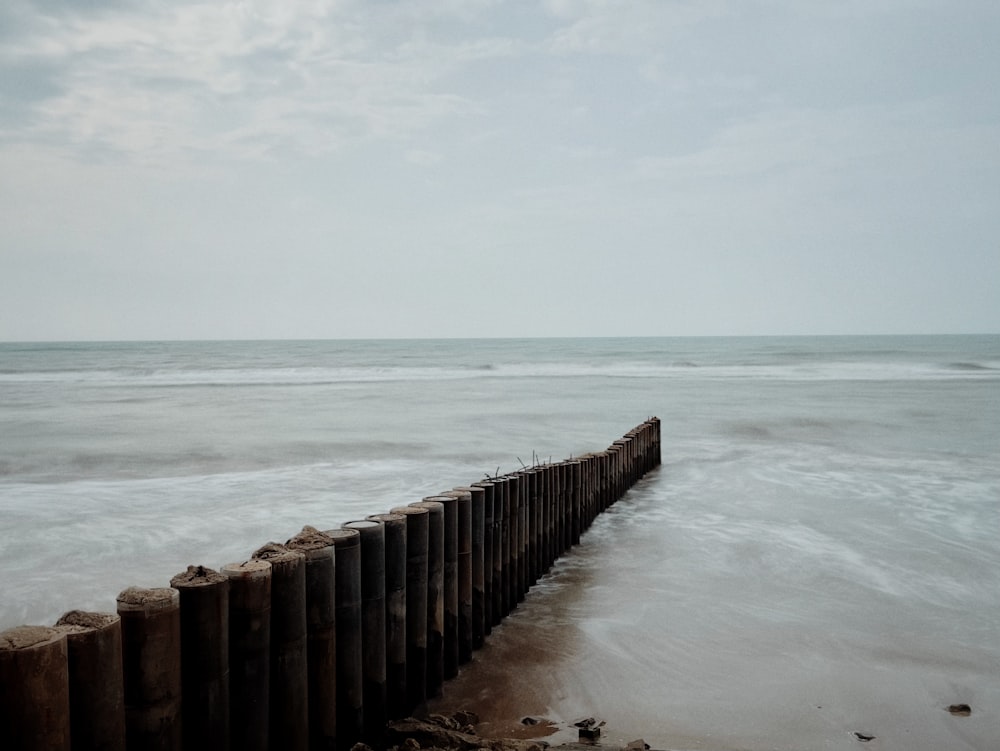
245,80
247,160
634,28
422,158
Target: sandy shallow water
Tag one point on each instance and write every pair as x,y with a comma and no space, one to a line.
638,627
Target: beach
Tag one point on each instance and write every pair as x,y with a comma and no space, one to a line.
814,562
669,665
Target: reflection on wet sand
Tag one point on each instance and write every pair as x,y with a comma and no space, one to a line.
512,680
698,618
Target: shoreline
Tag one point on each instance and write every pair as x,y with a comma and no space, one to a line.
462,731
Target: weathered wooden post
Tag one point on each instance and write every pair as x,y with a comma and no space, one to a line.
417,520
321,635
565,476
457,638
538,491
468,551
576,500
594,491
435,595
601,482
289,697
622,447
204,599
641,436
548,516
34,689
657,445
502,501
586,465
350,667
530,501
625,459
628,446
151,660
488,555
654,442
518,537
96,691
395,613
516,530
530,481
618,461
594,487
249,653
372,629
612,476
638,437
451,646
615,450
555,489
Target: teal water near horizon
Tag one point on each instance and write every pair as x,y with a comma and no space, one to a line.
822,532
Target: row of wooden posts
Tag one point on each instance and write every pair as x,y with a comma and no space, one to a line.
315,643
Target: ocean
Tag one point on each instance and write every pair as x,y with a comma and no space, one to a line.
818,556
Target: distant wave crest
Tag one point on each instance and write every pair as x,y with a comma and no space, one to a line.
972,367
622,369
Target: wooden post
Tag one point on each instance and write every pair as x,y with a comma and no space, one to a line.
451,649
565,479
593,467
470,555
350,667
151,660
372,629
34,689
517,537
204,598
395,613
249,654
575,500
558,511
435,595
321,635
622,447
515,530
529,478
417,520
502,498
488,553
545,499
289,700
96,691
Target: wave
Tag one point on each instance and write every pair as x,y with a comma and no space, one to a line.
972,367
680,370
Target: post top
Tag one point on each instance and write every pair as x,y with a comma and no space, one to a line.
139,599
343,538
309,538
81,619
275,553
27,637
252,569
386,518
407,510
197,576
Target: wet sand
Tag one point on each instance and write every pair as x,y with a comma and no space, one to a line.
625,630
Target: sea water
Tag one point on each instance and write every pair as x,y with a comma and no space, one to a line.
817,557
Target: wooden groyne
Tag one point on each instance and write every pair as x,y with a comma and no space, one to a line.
316,643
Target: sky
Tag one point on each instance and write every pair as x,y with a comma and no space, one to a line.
478,168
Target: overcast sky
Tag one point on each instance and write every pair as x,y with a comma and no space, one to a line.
369,168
